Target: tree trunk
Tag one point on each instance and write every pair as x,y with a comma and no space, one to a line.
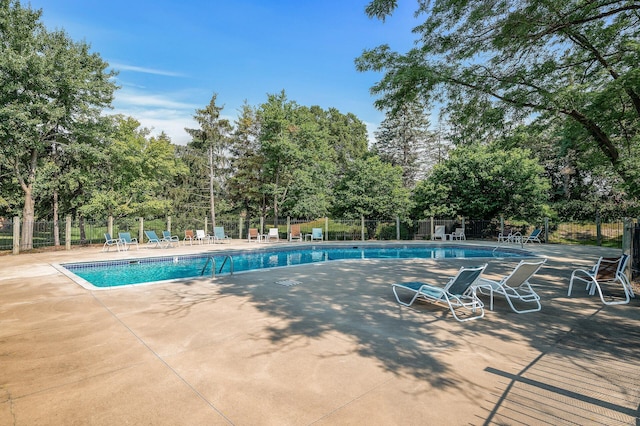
275,202
28,210
28,215
275,210
212,199
83,232
56,221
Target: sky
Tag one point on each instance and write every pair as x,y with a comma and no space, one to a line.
171,57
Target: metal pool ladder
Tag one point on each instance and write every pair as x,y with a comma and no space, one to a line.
500,245
212,260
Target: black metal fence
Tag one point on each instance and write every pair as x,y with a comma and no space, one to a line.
87,232
635,251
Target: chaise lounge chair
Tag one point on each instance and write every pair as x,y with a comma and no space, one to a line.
202,237
316,234
458,234
606,272
254,235
511,237
534,237
188,236
273,233
295,233
110,242
439,232
166,236
514,287
458,293
219,235
127,241
155,241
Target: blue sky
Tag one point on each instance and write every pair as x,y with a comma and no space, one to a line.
172,56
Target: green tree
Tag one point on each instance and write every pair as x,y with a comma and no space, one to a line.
403,139
285,156
213,138
566,58
247,177
474,118
279,149
348,137
50,88
190,192
582,187
373,189
135,174
483,182
310,196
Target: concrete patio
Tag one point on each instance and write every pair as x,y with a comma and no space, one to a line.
334,349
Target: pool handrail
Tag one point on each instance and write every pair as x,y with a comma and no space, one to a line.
213,268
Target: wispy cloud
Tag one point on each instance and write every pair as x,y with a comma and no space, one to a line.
158,112
125,67
152,101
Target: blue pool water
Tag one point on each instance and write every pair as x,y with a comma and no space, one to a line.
137,271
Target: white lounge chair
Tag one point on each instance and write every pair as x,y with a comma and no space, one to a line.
458,293
202,237
608,272
273,234
511,237
439,232
458,234
514,287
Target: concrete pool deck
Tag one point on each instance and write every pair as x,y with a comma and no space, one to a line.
334,349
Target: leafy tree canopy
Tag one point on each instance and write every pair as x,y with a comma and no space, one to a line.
482,182
403,139
373,189
562,57
135,174
52,90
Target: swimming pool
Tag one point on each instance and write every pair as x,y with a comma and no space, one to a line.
116,273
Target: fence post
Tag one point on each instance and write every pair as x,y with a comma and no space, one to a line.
110,225
16,235
546,230
362,226
431,228
326,228
627,243
398,228
169,224
598,230
67,234
626,235
141,230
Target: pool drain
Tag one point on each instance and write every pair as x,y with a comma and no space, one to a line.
288,283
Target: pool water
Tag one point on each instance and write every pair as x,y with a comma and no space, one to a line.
137,271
